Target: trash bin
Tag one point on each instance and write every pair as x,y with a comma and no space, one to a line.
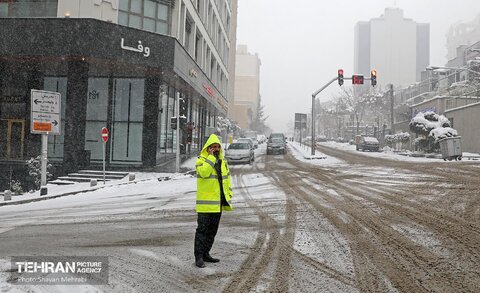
451,148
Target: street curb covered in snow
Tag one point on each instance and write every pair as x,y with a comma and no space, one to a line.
305,153
40,198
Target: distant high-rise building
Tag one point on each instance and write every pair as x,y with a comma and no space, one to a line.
462,34
247,87
397,47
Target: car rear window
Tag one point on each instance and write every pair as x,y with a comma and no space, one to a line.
239,146
370,139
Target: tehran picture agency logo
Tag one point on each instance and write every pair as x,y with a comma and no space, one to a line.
59,270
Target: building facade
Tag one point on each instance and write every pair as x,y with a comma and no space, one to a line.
397,47
247,87
118,64
451,91
462,34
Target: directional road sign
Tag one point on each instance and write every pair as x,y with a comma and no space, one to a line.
45,112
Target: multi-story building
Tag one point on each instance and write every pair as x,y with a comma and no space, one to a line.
247,87
451,91
462,34
117,64
397,47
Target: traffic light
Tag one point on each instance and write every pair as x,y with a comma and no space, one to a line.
373,77
340,77
183,107
173,123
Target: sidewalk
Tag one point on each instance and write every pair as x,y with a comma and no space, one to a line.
55,191
306,151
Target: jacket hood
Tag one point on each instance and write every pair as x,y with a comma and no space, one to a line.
211,140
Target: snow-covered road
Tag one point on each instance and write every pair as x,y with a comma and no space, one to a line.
349,223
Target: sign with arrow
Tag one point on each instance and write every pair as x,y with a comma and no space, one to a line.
45,112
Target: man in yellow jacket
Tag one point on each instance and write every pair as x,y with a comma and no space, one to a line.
214,192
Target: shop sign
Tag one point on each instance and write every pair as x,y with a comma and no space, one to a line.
193,73
139,49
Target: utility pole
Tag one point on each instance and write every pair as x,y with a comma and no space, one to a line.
390,91
177,132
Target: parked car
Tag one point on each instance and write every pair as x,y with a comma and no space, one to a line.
252,142
368,143
321,138
240,152
276,145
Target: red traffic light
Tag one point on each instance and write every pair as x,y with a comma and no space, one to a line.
340,77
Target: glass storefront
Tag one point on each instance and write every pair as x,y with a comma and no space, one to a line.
56,142
13,111
166,137
127,120
96,118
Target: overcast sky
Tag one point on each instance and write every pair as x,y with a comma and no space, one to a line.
302,43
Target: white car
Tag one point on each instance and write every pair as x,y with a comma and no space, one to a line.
240,152
249,140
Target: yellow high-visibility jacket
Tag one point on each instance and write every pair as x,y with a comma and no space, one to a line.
208,188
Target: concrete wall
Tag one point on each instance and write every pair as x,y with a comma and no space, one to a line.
466,120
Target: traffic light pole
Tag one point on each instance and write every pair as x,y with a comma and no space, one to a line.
314,95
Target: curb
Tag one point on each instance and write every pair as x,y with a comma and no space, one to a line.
82,191
64,194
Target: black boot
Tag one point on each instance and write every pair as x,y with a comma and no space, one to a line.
199,262
208,258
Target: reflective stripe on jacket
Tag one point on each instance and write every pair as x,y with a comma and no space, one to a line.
208,188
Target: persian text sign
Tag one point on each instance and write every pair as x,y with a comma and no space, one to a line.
45,112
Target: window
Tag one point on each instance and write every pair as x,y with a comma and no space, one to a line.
127,120
201,9
149,15
39,8
198,49
188,34
56,142
96,118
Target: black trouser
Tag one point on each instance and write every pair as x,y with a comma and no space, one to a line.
205,235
